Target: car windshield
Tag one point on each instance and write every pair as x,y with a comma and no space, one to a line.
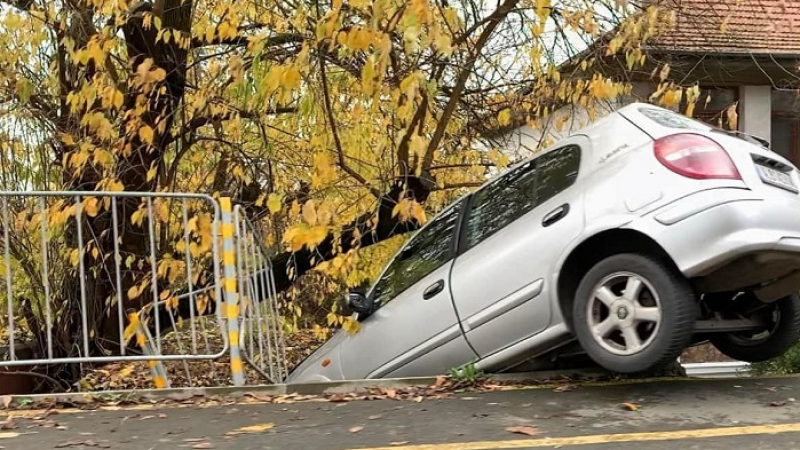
671,119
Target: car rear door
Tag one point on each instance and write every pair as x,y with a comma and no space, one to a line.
515,230
415,330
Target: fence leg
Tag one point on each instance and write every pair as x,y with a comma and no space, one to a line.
145,342
231,294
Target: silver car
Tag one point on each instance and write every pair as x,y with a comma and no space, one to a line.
639,235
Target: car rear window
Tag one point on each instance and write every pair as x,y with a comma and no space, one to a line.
671,119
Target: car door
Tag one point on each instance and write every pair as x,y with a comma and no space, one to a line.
415,330
514,231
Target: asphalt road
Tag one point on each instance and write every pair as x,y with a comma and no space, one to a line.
690,414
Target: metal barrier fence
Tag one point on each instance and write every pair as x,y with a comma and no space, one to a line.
261,339
89,259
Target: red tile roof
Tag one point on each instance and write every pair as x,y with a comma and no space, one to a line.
734,26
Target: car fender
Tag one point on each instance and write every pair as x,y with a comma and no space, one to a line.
591,229
323,365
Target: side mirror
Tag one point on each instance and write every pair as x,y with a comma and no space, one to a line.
359,303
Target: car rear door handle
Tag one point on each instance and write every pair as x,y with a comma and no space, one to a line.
432,290
555,215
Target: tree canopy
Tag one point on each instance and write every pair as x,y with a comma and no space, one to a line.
336,124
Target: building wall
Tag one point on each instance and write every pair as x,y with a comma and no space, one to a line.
756,110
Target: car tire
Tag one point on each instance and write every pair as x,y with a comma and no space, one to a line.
661,338
784,335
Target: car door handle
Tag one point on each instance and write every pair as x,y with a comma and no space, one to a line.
555,215
432,290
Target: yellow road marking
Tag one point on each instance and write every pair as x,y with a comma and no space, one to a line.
605,438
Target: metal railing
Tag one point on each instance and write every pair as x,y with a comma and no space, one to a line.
140,251
261,339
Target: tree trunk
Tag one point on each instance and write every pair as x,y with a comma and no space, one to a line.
99,282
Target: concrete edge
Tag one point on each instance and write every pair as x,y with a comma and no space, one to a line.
546,379
299,389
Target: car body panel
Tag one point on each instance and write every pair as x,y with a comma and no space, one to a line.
501,304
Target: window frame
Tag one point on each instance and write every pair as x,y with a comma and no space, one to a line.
451,253
470,201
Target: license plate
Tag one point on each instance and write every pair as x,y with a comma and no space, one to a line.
776,178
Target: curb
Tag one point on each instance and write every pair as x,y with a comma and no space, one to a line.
300,389
545,378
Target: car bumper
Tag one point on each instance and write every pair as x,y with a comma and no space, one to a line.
708,229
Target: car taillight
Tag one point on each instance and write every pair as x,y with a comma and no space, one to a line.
695,156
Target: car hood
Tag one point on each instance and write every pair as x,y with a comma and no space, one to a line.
324,364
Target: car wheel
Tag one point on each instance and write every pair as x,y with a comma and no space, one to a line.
633,313
782,333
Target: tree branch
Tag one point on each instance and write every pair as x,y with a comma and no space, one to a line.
201,121
496,17
241,40
334,131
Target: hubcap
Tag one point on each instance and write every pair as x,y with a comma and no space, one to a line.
624,313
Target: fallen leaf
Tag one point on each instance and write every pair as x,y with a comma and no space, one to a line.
162,416
193,440
6,400
527,431
338,398
390,393
779,403
260,428
566,388
8,425
203,445
375,417
355,429
146,417
441,380
629,406
61,428
82,444
419,399
394,444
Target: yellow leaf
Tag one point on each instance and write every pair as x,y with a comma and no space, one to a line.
274,203
151,173
91,206
733,117
67,139
117,99
137,217
310,212
504,118
75,258
130,330
146,134
351,325
115,186
133,292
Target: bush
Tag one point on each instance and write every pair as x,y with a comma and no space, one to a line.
788,363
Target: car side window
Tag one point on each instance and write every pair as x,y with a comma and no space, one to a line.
428,250
519,191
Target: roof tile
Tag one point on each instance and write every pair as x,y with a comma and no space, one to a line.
734,26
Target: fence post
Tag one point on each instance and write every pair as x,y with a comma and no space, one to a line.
231,310
143,338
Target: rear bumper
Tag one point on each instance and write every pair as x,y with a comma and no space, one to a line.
706,230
